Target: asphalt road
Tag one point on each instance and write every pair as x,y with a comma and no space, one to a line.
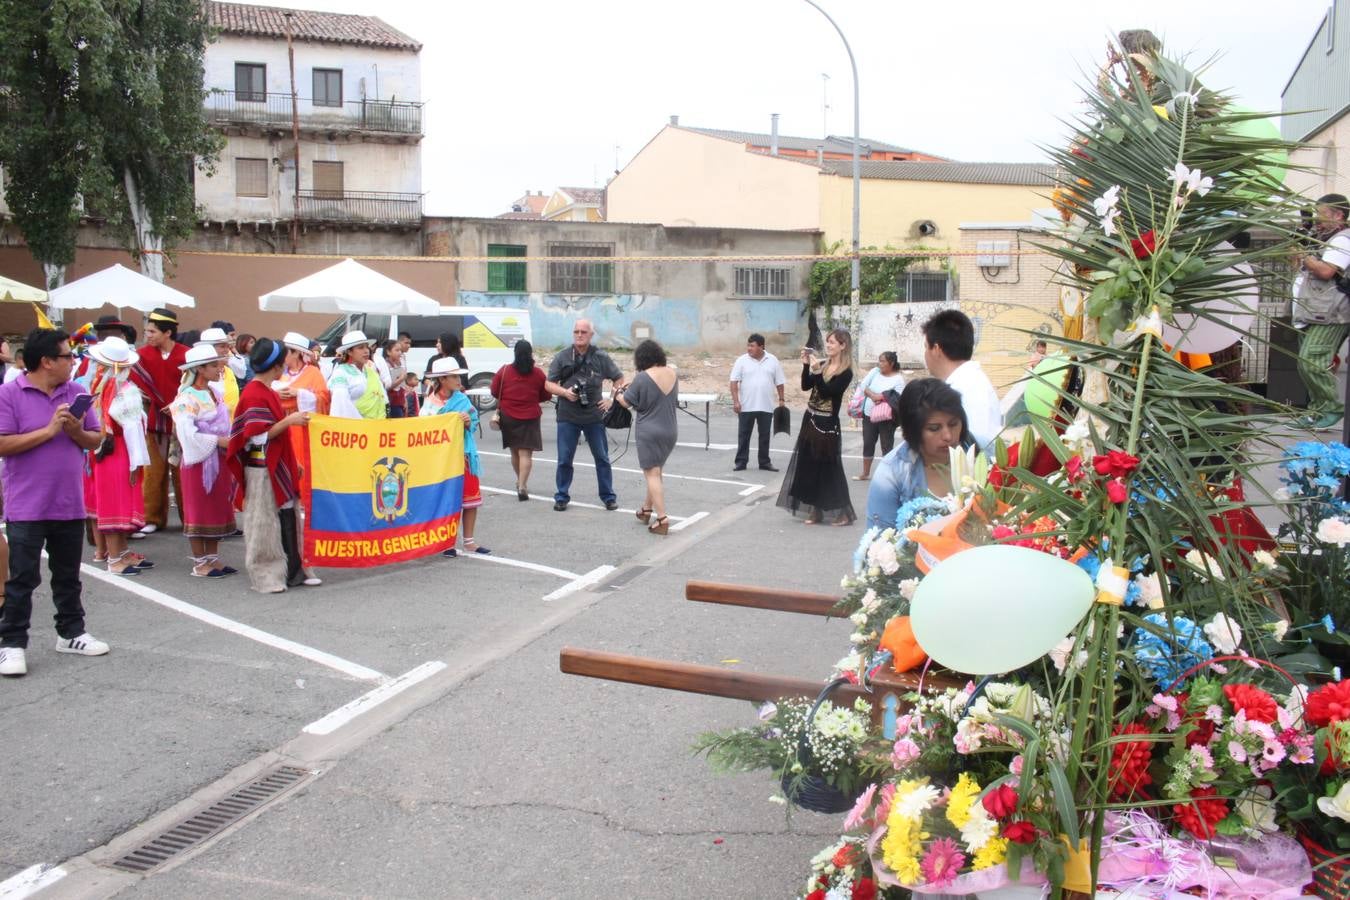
484,771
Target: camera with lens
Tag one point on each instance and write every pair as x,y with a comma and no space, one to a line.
583,396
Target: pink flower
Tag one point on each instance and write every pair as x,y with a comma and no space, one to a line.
904,753
902,725
1272,753
884,804
1016,765
942,863
1237,751
856,815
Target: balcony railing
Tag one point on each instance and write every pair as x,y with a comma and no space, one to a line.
258,108
360,207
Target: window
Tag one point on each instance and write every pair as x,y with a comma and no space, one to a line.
250,177
250,82
328,180
580,277
505,276
921,287
761,281
424,330
327,87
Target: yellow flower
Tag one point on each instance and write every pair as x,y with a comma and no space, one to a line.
962,798
991,854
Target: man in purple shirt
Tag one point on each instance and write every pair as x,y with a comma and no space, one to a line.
43,447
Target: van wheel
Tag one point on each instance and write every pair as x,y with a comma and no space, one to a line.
486,403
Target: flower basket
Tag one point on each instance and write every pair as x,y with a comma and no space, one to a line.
1332,880
812,792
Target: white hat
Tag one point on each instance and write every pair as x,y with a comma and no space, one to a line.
201,355
296,341
354,339
113,352
213,336
446,365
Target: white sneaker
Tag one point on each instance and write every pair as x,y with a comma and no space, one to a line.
149,529
13,661
84,645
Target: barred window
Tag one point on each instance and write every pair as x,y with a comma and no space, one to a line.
506,276
250,177
761,281
923,287
587,277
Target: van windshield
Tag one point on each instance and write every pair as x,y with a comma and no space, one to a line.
332,335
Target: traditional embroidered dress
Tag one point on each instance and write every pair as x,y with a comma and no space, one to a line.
116,466
200,418
157,376
357,393
267,484
458,403
311,395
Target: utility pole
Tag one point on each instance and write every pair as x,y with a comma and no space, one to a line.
295,135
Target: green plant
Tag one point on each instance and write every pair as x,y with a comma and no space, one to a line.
879,277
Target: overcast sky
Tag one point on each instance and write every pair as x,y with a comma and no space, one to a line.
533,94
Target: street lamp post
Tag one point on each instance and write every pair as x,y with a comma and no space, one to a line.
855,263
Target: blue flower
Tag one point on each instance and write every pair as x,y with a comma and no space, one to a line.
1328,624
1164,657
1091,565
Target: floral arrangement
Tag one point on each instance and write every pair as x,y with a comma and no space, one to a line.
1318,581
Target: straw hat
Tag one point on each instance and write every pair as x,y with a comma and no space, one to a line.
296,341
201,355
354,339
446,366
114,353
213,336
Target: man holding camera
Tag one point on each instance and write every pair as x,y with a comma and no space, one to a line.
1322,309
577,378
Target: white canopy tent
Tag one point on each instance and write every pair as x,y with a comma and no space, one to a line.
12,291
118,286
349,287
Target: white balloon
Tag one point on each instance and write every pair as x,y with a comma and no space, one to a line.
1233,314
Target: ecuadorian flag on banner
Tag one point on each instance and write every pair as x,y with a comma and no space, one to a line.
379,492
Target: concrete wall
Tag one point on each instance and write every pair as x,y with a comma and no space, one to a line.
1328,156
372,73
890,209
684,305
684,178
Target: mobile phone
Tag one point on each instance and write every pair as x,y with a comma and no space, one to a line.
81,405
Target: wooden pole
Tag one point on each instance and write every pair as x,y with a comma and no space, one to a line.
295,133
811,604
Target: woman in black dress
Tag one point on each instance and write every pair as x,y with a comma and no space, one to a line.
815,477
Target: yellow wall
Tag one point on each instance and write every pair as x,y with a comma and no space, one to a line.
890,208
1328,155
684,178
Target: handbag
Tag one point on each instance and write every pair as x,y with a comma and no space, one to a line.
881,411
782,420
618,416
855,403
495,423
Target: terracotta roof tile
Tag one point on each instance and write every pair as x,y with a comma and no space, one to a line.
1041,174
584,195
308,25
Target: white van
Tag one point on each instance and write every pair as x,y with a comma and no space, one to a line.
488,334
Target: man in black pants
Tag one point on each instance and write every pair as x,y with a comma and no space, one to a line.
755,376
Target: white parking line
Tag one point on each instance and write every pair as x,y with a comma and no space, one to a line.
750,490
520,564
689,521
30,881
623,469
497,490
371,699
585,581
346,667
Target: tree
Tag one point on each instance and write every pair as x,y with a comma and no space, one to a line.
153,126
48,65
879,278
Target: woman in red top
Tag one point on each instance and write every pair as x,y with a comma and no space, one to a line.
519,389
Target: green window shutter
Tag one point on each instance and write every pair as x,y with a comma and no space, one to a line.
506,276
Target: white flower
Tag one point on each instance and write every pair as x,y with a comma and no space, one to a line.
841,891
1339,805
1150,590
1077,436
858,618
1334,531
908,587
1224,633
1192,179
1279,628
979,828
1257,810
869,600
1105,205
882,555
1265,559
1206,564
917,802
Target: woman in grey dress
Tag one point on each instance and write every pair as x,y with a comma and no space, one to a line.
653,396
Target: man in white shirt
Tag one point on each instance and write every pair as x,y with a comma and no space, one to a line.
1322,309
755,377
949,344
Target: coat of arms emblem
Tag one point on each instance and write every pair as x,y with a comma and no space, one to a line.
389,490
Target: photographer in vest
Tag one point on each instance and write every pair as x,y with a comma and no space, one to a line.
1322,309
577,378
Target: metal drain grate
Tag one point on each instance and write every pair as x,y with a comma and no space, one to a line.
625,577
211,821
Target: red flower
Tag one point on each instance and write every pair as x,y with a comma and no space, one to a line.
1074,468
1116,463
1329,703
1129,763
1002,532
844,856
1205,811
864,889
1116,491
1144,245
817,894
1001,802
1020,832
1256,703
